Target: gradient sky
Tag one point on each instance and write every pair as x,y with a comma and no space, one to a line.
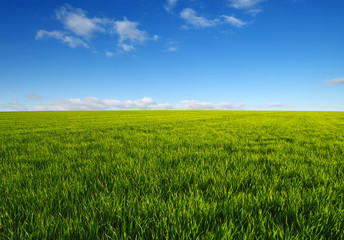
172,54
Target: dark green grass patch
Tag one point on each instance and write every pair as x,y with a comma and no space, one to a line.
171,175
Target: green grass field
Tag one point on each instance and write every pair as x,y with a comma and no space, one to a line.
172,175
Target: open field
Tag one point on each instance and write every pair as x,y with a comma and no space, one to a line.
171,175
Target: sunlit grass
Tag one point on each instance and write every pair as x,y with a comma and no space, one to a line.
171,175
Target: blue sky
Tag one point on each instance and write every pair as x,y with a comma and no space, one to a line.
172,54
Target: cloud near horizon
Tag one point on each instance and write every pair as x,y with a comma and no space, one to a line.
279,105
14,105
146,103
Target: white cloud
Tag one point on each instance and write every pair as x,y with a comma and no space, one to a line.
170,4
128,31
336,81
234,21
126,47
191,18
72,41
144,103
72,104
244,4
79,29
75,20
92,103
33,96
129,34
278,105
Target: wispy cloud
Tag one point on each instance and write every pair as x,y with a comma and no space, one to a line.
170,4
63,37
191,18
196,105
171,46
244,4
109,54
252,7
13,105
33,96
126,47
92,103
234,21
273,105
79,29
336,81
171,49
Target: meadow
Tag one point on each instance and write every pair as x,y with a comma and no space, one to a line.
171,175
